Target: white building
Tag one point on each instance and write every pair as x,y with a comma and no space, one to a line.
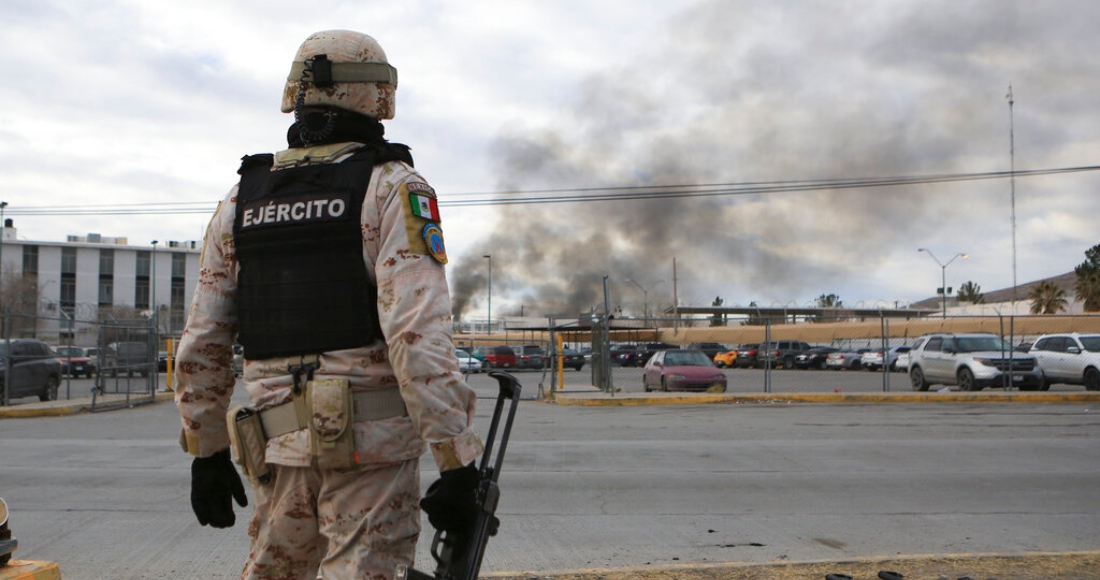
90,278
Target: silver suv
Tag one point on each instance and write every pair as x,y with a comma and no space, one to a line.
1069,358
971,361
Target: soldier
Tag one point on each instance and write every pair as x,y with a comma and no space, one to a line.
326,263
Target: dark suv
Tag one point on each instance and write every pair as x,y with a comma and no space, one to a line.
35,370
530,356
782,353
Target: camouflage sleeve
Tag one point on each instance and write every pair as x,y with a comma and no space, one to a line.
414,307
204,374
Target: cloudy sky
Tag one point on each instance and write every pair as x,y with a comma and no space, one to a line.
118,115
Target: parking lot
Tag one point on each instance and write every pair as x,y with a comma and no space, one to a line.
779,381
105,494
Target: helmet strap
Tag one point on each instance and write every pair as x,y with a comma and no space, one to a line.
319,69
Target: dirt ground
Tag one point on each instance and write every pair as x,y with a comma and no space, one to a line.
1072,566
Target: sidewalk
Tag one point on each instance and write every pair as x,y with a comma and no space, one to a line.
75,405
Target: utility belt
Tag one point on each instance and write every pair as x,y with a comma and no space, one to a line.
325,407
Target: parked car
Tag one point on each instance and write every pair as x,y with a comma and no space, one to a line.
726,359
93,356
530,356
679,369
845,359
467,363
624,355
747,356
35,370
648,349
75,361
781,353
901,364
128,358
1069,358
711,349
572,359
500,357
972,361
872,359
814,358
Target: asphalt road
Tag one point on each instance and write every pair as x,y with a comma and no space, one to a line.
105,495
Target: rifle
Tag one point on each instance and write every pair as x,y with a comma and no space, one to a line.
458,556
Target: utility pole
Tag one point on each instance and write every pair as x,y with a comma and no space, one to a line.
1012,186
675,300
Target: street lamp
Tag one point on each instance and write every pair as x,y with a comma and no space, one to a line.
943,274
489,318
153,279
645,298
3,230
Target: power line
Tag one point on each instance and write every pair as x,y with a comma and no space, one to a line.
590,194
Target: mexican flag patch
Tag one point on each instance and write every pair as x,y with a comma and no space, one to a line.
424,206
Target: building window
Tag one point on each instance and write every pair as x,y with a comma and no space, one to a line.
68,282
106,278
176,305
30,261
141,281
179,266
68,261
176,312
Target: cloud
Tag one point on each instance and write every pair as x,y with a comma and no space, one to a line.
759,91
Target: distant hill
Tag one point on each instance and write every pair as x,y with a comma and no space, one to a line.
1065,281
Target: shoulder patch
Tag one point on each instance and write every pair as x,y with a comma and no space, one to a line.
422,220
433,238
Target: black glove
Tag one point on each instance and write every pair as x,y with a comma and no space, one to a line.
451,501
214,481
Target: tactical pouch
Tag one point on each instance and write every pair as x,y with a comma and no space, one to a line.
246,436
331,413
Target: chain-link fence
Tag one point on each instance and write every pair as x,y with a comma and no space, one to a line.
65,353
776,355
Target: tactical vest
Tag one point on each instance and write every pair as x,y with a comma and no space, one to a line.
302,286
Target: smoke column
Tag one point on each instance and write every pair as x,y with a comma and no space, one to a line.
761,91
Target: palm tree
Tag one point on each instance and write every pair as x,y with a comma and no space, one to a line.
972,293
1088,290
826,301
1046,298
718,319
1088,280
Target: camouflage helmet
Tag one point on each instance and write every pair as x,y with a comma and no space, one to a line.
344,69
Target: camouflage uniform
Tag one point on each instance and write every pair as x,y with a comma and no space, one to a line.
354,524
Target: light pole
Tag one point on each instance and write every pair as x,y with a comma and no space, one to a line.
153,288
645,298
489,318
943,274
3,230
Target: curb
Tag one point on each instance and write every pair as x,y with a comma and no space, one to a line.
71,406
1028,565
594,399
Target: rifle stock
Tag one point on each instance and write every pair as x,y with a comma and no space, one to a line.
458,555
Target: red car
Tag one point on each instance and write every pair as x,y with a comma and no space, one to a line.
75,361
682,370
